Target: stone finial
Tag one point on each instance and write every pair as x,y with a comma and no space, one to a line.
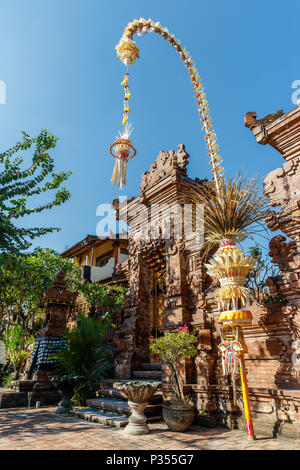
163,166
59,292
251,121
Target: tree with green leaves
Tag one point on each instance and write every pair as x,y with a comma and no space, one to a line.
102,299
18,346
256,279
24,279
18,185
173,348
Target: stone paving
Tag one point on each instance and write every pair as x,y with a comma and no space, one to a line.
41,429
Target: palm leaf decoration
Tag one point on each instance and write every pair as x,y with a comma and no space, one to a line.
234,212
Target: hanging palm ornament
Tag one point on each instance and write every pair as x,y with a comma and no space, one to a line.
128,52
122,149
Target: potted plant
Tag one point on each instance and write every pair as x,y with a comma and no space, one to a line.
173,348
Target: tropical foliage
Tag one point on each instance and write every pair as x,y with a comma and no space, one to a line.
18,346
173,348
24,279
102,299
256,279
18,186
84,355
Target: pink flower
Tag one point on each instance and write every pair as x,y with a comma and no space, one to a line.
184,327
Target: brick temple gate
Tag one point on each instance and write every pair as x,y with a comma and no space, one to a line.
273,339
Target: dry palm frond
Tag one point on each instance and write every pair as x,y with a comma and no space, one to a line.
234,213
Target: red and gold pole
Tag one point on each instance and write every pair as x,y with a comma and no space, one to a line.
247,409
231,267
232,322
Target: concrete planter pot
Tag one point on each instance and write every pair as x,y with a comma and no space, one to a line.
178,417
65,385
138,395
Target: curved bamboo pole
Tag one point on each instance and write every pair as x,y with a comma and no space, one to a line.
128,52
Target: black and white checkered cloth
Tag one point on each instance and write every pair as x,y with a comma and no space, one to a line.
44,349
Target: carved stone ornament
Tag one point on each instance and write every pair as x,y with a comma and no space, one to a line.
164,165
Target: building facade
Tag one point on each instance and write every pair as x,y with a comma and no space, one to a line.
98,257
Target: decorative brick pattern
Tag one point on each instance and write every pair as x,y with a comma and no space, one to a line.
41,429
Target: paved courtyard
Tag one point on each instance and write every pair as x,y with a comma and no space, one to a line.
23,429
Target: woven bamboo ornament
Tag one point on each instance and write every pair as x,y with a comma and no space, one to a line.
230,356
122,149
128,52
231,267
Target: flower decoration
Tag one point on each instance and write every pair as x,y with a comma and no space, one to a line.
184,327
127,51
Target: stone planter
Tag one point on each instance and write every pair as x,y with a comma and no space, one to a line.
138,395
178,417
65,385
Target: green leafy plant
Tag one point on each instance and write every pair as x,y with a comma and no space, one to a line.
24,280
84,355
273,299
18,185
7,380
256,279
18,345
173,348
102,299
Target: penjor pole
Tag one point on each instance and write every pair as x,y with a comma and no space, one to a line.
128,52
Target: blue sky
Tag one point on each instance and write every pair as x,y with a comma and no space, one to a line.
58,61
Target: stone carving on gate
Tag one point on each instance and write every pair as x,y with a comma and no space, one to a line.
281,252
164,165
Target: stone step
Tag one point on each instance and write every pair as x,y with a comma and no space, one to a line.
120,406
113,393
109,382
11,399
101,417
150,366
109,393
147,374
105,418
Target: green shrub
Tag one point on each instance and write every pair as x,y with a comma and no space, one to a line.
7,381
173,348
18,345
84,355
